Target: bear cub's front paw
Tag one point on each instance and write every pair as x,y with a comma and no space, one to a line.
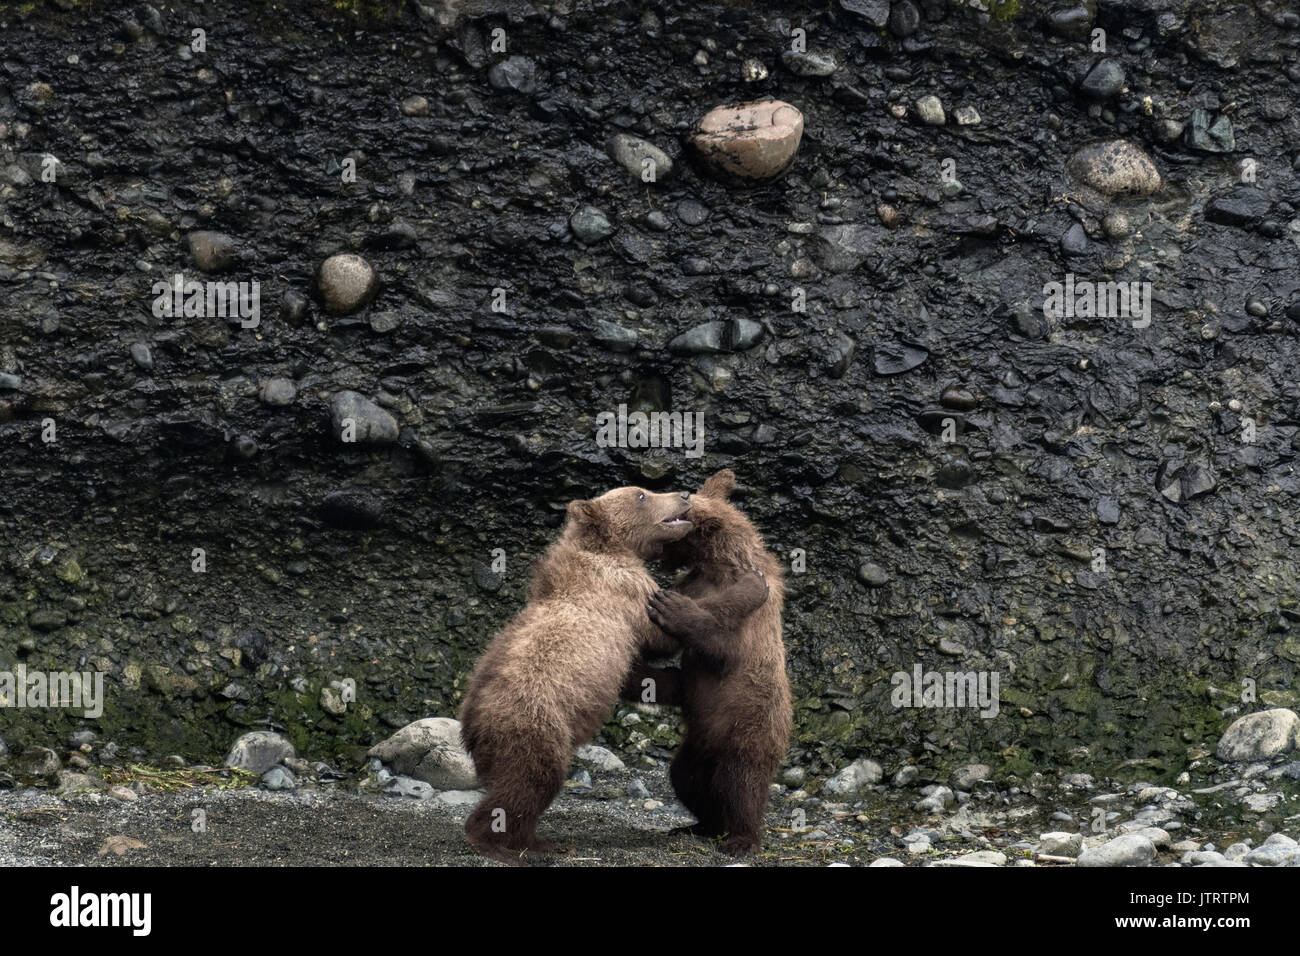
676,614
751,585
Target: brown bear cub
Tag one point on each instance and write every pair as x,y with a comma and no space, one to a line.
550,678
732,684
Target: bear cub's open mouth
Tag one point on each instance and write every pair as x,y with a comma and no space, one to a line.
679,518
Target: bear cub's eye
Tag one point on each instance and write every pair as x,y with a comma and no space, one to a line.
641,497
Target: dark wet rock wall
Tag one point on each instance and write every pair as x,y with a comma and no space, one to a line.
1105,515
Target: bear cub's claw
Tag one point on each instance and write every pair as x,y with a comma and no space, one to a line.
676,614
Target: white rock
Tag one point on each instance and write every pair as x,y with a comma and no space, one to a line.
1060,843
1271,854
978,858
858,775
644,161
966,777
259,751
598,758
458,798
1260,736
430,750
1131,849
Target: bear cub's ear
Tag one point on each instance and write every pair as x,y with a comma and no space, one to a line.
719,485
586,512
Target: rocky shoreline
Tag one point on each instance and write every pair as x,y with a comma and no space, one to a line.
409,807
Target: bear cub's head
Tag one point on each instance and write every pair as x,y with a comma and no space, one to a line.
721,534
633,518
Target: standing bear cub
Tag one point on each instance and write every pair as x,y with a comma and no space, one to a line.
550,678
732,684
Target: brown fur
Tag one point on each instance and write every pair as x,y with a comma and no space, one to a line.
552,675
732,685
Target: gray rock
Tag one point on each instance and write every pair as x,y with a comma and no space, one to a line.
369,423
259,751
37,763
430,750
1117,225
1261,802
293,307
810,63
579,779
1210,858
966,777
415,105
1130,849
842,248
353,508
1157,835
929,111
383,322
978,858
599,758
1060,843
857,776
211,251
47,619
590,224
458,798
935,799
614,337
1071,22
886,861
638,790
345,282
277,392
515,74
400,785
332,702
873,575
1075,240
905,776
1115,168
1209,135
1243,207
278,778
720,336
1271,854
1260,736
1104,80
639,158
904,19
142,355
875,12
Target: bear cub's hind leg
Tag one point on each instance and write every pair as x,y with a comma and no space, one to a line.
741,795
504,824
